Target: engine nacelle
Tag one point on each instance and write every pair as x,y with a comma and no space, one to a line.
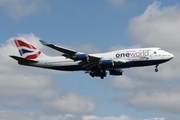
116,72
81,57
107,63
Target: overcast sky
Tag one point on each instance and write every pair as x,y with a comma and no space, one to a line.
29,93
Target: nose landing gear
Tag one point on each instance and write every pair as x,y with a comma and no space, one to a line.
156,69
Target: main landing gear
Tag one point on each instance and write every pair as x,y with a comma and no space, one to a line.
156,69
99,73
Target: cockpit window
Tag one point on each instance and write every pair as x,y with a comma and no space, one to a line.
159,49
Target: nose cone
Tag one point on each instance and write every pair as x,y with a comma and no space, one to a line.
167,56
171,56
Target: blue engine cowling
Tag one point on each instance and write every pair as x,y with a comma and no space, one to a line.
81,57
107,63
116,72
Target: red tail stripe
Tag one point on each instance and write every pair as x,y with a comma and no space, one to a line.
33,56
16,42
20,43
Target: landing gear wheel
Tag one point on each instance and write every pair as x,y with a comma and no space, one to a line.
156,70
102,77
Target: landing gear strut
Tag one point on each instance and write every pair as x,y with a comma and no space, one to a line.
103,74
156,69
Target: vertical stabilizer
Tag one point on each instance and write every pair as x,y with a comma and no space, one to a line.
26,49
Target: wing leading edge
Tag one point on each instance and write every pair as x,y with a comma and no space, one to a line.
58,48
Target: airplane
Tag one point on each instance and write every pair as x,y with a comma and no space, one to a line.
96,65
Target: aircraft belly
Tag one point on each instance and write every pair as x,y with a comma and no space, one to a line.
137,64
66,66
145,63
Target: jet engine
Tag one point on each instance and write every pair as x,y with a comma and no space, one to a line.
81,57
107,63
116,72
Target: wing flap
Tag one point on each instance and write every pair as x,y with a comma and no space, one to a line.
87,65
91,66
94,58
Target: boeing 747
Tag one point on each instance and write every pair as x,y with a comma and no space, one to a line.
96,65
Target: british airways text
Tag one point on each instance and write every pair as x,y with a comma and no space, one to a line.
133,54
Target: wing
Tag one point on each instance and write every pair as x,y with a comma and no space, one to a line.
58,48
86,60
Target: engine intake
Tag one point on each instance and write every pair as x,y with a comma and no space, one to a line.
116,72
81,57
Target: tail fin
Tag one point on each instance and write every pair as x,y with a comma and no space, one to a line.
27,50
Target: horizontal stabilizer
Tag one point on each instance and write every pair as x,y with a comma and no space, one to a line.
23,60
